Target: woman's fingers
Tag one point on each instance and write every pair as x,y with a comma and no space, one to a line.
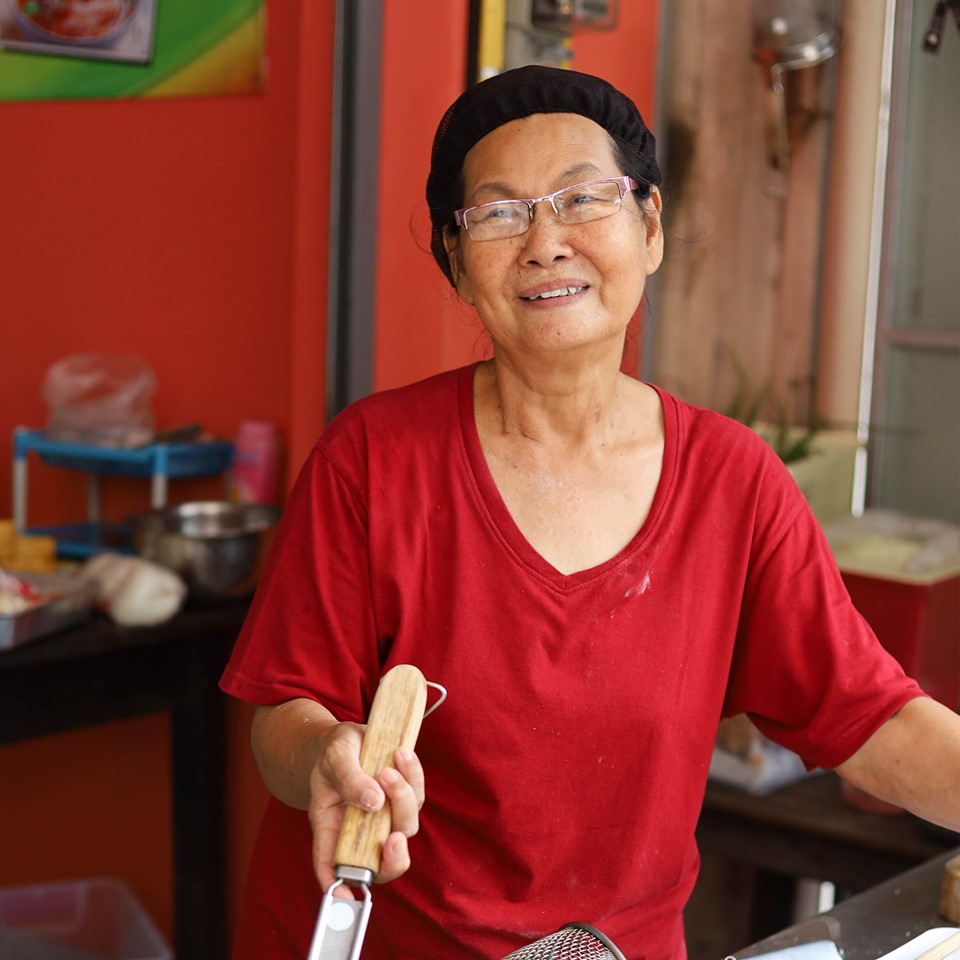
395,859
341,769
339,780
409,765
404,788
404,791
336,780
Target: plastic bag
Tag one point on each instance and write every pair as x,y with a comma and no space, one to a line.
100,399
134,592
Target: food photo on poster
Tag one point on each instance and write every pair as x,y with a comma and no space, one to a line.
122,49
96,29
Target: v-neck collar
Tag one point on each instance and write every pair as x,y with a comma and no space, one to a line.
502,522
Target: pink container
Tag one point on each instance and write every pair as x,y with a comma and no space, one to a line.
256,463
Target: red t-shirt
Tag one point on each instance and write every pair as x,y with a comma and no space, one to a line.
566,769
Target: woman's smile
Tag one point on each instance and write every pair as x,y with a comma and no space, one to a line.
553,291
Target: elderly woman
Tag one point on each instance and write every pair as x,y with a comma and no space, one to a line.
596,571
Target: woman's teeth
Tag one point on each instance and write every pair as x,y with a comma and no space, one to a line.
562,292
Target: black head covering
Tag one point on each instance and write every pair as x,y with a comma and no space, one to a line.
519,93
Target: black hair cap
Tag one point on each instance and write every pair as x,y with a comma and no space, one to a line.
520,93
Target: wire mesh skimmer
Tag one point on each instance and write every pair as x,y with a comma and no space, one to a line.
575,941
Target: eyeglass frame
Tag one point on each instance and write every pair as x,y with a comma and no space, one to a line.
624,185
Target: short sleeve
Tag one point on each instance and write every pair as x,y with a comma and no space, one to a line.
310,631
807,668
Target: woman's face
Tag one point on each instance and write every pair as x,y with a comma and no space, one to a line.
600,266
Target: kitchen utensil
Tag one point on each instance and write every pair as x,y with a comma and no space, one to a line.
950,891
574,941
394,722
217,546
942,949
790,35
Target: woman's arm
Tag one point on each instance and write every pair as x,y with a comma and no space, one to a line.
310,761
913,760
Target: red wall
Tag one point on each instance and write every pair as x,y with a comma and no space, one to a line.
627,55
194,233
420,329
161,228
173,229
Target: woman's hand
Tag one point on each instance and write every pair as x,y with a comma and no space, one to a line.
338,779
310,761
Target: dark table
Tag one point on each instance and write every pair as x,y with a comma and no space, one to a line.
806,830
98,673
875,922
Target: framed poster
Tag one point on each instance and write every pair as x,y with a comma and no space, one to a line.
93,49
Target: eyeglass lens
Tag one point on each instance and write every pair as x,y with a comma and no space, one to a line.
577,204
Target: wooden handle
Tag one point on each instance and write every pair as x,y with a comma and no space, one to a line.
942,949
950,891
394,722
774,129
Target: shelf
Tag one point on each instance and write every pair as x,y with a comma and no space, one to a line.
172,460
160,462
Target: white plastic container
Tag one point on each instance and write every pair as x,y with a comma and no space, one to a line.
93,919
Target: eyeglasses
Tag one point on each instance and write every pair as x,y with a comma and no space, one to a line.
580,203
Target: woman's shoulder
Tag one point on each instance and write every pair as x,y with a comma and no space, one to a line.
415,407
705,431
389,431
717,460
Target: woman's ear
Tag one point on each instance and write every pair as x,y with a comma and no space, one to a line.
653,206
451,243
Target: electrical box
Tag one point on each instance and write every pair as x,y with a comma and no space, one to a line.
539,31
573,14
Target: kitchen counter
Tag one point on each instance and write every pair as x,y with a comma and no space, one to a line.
874,922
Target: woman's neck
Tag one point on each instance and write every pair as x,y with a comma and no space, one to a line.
560,404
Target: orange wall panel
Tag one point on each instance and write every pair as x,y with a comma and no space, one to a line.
627,56
421,328
160,228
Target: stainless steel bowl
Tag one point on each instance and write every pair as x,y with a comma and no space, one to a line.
219,547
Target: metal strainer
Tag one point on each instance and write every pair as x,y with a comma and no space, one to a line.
574,941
